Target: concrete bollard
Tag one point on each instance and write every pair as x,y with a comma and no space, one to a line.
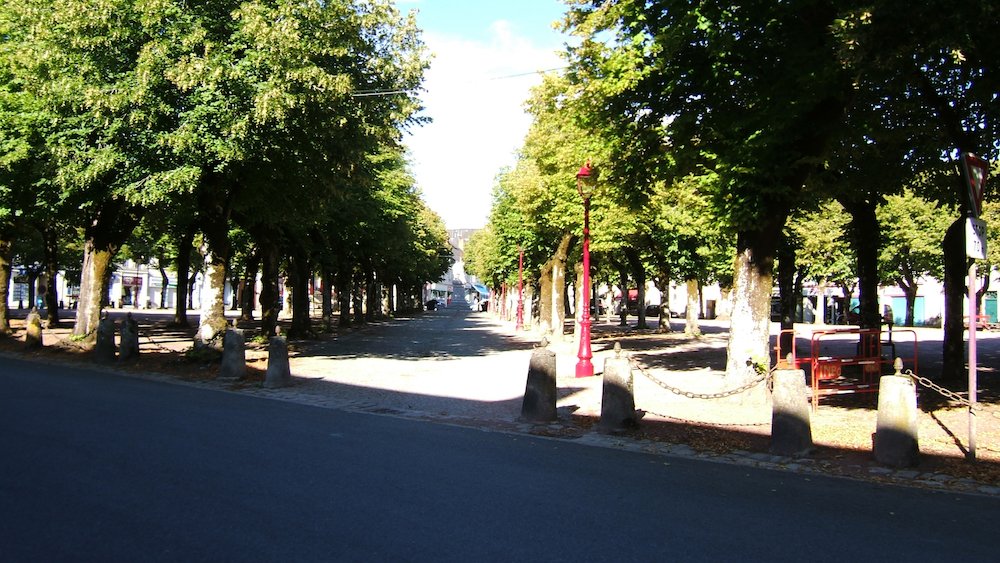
279,373
33,330
105,349
234,355
129,350
895,441
539,404
791,421
617,398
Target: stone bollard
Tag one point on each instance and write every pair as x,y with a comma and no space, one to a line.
129,351
617,399
234,355
105,349
33,330
791,422
279,373
539,404
895,440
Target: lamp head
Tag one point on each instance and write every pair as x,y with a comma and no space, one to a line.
586,181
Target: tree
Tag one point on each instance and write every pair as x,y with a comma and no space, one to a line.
936,61
756,94
822,249
912,228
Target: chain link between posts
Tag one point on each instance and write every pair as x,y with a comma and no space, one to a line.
949,394
941,390
763,376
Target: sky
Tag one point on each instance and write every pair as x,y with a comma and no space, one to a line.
474,98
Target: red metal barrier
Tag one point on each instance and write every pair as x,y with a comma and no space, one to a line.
833,372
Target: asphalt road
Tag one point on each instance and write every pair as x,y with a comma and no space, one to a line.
101,467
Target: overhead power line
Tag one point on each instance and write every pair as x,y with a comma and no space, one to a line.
370,93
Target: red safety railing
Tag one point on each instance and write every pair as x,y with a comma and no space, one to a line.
834,368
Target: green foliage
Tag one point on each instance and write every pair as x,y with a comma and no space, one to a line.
203,111
823,253
913,229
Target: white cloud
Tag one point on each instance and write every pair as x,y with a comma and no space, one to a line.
479,119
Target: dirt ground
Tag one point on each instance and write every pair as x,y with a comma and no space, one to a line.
842,426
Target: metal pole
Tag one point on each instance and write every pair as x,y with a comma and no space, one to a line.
520,290
584,368
972,361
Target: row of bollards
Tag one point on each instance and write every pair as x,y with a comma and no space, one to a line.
234,359
105,350
234,365
894,442
618,412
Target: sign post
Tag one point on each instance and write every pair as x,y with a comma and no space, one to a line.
974,171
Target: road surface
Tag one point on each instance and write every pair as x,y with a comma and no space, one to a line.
102,467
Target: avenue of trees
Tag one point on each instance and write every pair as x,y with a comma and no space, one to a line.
231,137
757,145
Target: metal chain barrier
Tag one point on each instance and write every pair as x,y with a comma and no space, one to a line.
949,394
945,392
762,377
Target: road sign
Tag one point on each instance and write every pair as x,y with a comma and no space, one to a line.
975,238
974,171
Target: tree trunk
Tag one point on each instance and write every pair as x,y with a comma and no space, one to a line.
327,293
786,291
248,297
212,325
32,284
662,281
5,269
344,292
299,273
93,288
236,285
820,317
545,305
184,245
955,288
190,292
724,308
639,274
749,334
559,287
357,298
557,309
623,302
867,239
51,242
371,296
910,291
268,286
691,326
164,281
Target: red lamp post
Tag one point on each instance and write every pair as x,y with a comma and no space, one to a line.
586,183
520,290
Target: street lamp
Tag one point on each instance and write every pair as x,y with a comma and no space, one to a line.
586,184
520,289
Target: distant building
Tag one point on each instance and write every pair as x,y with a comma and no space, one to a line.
444,290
